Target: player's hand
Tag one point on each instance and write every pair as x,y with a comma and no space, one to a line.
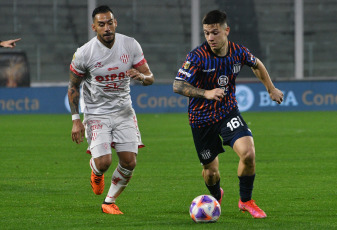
276,95
135,75
77,132
10,43
214,94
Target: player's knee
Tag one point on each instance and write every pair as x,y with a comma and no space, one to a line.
249,157
103,163
103,167
129,164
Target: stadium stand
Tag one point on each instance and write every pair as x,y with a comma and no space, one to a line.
52,30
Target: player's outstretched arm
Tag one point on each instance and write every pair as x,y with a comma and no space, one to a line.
261,73
142,74
188,90
9,43
77,132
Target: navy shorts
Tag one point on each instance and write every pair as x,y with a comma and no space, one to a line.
207,140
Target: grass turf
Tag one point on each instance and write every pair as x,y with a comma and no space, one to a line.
44,181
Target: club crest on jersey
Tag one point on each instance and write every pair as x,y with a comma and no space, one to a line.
99,65
187,65
124,58
223,80
236,67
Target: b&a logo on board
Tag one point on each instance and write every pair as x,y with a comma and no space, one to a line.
244,97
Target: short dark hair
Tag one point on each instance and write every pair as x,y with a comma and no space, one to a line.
215,17
101,9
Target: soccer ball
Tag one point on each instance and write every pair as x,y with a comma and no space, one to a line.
205,209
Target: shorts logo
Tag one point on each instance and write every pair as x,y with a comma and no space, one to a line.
187,65
93,126
223,80
93,136
206,154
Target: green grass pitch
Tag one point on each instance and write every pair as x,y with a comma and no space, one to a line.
45,176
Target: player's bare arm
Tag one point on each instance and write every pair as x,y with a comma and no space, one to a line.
142,74
186,89
74,92
261,73
77,132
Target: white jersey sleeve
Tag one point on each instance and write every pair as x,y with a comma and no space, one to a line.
77,65
138,55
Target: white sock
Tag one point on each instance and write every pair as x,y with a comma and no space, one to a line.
120,179
94,168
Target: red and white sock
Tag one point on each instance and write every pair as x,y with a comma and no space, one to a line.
120,179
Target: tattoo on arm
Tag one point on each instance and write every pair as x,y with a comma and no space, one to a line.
74,92
186,89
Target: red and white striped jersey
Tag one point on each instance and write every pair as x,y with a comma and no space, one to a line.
106,88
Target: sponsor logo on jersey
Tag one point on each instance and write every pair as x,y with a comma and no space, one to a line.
187,65
113,68
99,65
208,70
236,68
184,72
124,58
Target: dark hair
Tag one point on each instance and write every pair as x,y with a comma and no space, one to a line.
101,9
214,17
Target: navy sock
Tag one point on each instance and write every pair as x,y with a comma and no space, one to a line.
246,187
215,190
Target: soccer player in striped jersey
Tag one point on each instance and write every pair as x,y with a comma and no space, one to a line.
103,68
207,77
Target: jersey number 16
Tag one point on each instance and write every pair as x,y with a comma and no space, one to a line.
234,123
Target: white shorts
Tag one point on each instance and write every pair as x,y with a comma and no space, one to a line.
118,130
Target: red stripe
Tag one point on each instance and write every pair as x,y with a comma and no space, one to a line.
126,177
142,62
75,72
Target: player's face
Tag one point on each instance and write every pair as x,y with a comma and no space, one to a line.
216,36
105,27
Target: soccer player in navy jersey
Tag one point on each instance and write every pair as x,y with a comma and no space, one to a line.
207,77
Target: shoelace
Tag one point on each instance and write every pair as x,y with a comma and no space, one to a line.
97,179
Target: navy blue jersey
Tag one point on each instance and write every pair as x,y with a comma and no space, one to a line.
203,69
